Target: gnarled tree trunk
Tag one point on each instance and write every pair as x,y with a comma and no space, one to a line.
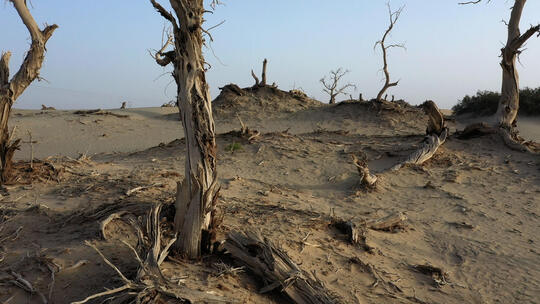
509,102
10,90
197,194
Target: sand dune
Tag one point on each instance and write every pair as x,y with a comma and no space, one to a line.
472,210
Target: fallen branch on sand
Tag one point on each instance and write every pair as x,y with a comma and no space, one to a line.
276,269
436,134
99,112
141,188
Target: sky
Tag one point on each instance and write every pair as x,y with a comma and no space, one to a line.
98,57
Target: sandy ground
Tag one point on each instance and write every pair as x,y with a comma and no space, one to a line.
473,210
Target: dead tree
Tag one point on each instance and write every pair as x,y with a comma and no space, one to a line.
262,83
509,102
436,134
197,194
394,16
10,90
331,86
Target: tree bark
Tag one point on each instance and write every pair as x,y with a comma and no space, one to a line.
10,90
509,101
263,75
197,194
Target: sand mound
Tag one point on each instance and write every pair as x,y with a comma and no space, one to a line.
261,99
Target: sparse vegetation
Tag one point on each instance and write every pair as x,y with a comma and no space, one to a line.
233,147
485,103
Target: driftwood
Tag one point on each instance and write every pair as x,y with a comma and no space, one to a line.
150,285
435,137
390,223
276,269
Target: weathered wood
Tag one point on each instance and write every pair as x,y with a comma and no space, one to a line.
436,136
255,78
366,178
356,234
276,269
150,284
390,223
195,107
263,74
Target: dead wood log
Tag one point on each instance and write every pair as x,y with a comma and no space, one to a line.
389,223
276,269
436,133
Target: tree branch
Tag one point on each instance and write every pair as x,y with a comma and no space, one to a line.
4,69
164,13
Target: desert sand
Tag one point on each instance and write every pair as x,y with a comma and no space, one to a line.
473,209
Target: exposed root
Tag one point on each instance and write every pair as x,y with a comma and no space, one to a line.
149,285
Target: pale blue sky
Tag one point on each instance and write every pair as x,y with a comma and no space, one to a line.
98,57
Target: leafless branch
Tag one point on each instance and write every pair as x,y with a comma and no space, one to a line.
331,86
393,16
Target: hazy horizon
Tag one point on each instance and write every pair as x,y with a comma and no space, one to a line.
98,57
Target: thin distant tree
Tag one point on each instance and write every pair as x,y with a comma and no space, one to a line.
509,102
11,89
331,85
394,16
197,193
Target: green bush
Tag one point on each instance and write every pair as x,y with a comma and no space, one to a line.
485,103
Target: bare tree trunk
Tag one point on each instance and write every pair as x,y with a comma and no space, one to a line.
263,75
10,90
509,102
197,194
394,16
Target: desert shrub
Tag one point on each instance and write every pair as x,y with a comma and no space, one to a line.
485,103
234,147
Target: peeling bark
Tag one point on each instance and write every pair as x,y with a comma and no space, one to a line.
197,195
10,90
